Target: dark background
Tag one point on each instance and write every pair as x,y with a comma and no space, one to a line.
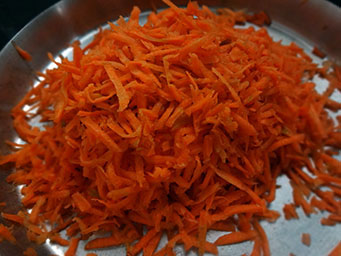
15,14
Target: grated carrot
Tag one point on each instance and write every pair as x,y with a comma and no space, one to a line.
235,237
306,239
177,127
13,217
59,240
71,251
30,252
6,234
23,54
91,254
290,212
316,51
336,251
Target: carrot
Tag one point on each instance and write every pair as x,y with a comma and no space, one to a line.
336,251
236,182
327,222
103,242
202,232
235,209
229,87
235,237
5,233
30,252
316,51
91,254
263,238
149,249
256,250
73,247
334,217
259,19
286,141
81,202
245,126
59,240
223,226
36,209
178,126
290,212
23,54
13,217
306,239
143,241
122,95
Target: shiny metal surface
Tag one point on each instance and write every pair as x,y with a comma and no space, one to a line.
53,31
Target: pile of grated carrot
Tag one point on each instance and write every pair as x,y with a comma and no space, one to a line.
176,127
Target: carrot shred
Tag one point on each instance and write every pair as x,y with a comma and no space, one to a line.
259,19
336,251
316,51
122,95
263,238
81,202
5,233
59,240
306,239
149,249
256,250
178,126
235,237
30,252
23,54
13,217
143,241
103,242
91,254
71,251
290,212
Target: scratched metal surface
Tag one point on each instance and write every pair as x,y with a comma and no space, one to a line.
54,29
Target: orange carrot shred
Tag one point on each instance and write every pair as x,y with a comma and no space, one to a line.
318,52
103,242
263,238
149,249
81,202
5,233
71,251
259,19
256,250
59,240
30,252
23,54
143,241
13,217
336,251
91,254
235,237
306,239
122,95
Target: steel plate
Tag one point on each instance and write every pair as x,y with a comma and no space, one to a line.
53,31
